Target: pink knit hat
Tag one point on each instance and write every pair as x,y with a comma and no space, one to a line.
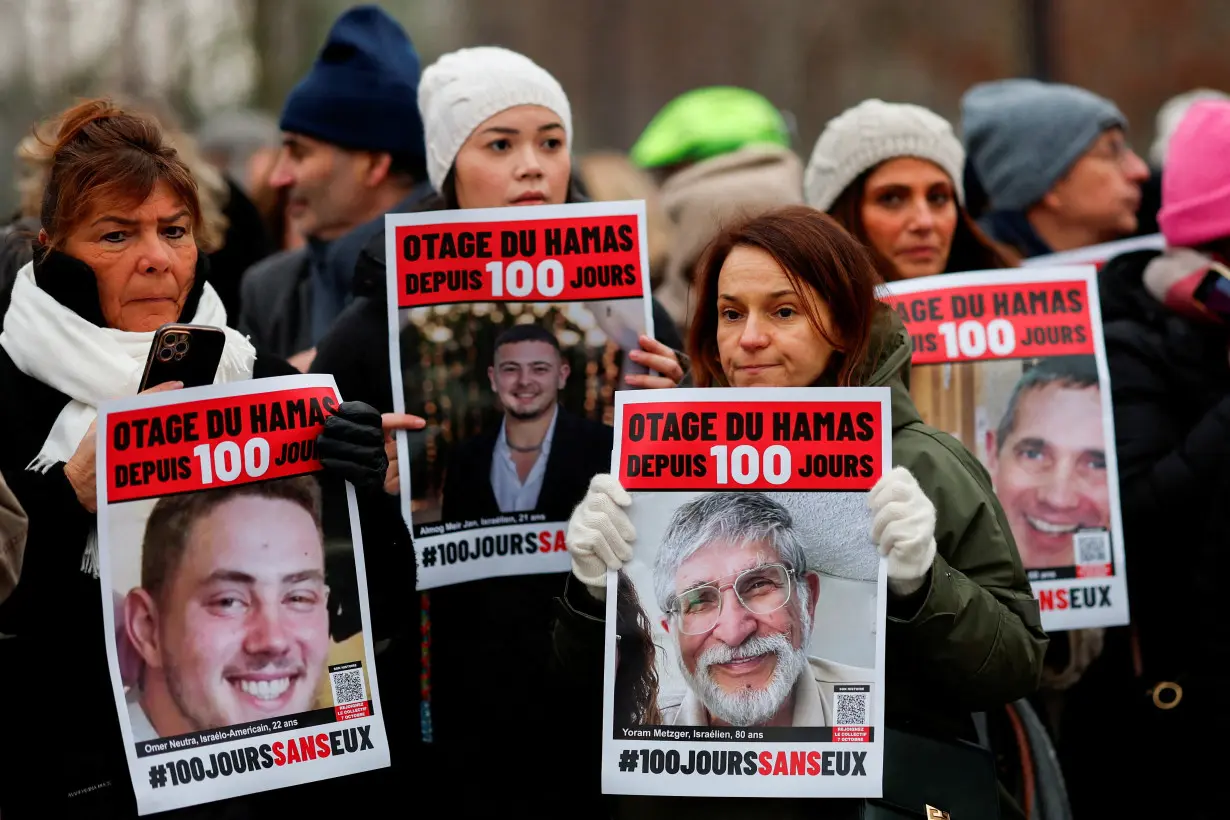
1196,177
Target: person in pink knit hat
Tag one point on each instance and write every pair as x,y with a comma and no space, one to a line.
1166,318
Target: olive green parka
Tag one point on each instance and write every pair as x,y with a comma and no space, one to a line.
970,640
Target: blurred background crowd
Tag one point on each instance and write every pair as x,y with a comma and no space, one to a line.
221,65
700,108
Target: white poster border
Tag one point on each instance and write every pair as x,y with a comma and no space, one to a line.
432,575
1080,617
168,796
645,783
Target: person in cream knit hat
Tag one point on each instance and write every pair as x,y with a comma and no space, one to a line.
871,132
891,174
465,88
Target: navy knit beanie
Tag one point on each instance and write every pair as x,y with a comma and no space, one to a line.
362,91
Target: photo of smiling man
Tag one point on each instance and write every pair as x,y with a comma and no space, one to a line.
539,454
732,577
1047,460
231,618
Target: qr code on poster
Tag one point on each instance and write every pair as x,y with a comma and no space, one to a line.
1092,547
347,686
851,708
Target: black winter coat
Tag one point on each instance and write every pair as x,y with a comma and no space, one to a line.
1170,377
62,735
1170,382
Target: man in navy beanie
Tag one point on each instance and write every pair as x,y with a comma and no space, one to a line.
352,151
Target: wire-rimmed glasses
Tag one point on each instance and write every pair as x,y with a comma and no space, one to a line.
761,590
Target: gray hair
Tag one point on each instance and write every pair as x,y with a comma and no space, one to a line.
734,517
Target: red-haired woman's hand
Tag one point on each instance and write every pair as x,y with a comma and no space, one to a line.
663,363
392,422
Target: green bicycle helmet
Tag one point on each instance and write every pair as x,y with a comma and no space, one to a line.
707,122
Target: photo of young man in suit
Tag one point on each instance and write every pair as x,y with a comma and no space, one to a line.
539,458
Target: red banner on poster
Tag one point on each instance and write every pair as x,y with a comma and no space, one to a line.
198,445
521,260
1009,321
814,446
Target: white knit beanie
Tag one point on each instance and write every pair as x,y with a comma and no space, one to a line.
871,132
462,89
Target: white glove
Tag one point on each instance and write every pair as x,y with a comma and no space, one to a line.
903,529
600,534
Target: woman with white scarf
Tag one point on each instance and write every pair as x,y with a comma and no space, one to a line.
116,258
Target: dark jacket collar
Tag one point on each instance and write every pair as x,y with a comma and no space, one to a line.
890,351
1122,293
370,278
1013,228
72,283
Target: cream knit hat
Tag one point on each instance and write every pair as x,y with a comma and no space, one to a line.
871,132
463,88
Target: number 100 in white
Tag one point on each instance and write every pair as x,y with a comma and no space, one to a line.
520,279
745,464
970,339
227,462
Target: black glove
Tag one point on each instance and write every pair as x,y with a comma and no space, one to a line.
352,446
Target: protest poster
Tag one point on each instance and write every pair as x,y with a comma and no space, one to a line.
1012,364
237,661
509,332
1097,255
777,689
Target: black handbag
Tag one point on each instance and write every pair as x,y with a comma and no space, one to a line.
952,776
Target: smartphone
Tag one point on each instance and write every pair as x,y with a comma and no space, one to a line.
183,353
1214,290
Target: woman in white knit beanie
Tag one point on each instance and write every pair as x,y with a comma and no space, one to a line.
498,132
498,129
891,174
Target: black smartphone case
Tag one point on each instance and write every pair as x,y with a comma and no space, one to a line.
185,353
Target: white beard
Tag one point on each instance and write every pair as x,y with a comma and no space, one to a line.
750,707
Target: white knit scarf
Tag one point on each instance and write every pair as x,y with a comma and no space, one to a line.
92,364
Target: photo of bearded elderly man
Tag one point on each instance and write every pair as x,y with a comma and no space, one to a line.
738,594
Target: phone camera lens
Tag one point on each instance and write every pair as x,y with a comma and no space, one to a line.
165,354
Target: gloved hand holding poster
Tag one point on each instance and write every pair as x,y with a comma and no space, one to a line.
230,672
510,331
745,638
1012,364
